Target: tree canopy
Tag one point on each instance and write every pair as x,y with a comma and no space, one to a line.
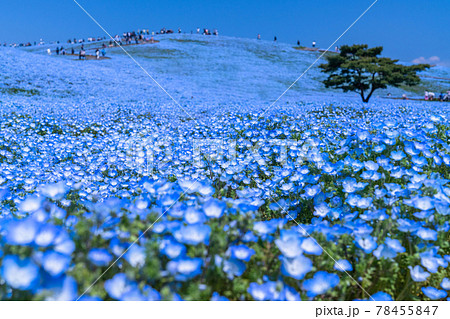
360,69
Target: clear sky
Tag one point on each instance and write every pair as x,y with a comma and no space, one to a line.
408,29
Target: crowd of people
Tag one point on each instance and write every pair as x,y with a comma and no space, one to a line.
443,97
126,38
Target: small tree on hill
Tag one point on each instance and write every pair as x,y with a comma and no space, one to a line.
359,69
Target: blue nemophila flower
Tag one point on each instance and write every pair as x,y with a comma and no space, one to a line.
135,256
371,175
241,252
418,274
194,216
296,267
169,199
133,294
381,296
445,284
427,234
355,200
63,244
193,186
343,265
290,294
389,249
431,261
260,292
442,208
185,268
397,155
410,150
172,249
54,191
117,247
424,214
232,267
397,172
362,134
217,297
265,227
272,290
22,274
408,225
433,293
367,244
371,166
360,229
312,191
320,283
31,204
99,257
350,185
193,234
21,232
249,237
379,214
55,263
311,247
289,243
63,288
151,294
379,148
46,235
176,211
214,208
419,161
117,286
322,210
422,203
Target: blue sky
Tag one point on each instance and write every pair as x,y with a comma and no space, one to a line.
408,29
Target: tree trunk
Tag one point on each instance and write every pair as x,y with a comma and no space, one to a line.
370,95
362,96
367,98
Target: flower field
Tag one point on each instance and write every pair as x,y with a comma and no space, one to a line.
112,195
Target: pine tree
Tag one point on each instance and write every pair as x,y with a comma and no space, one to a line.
360,69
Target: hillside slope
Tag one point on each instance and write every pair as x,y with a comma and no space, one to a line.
194,69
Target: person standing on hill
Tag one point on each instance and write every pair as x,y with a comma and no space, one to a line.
275,38
314,44
97,54
103,52
57,50
259,37
298,43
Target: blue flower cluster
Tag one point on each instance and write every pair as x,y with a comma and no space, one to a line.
128,201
